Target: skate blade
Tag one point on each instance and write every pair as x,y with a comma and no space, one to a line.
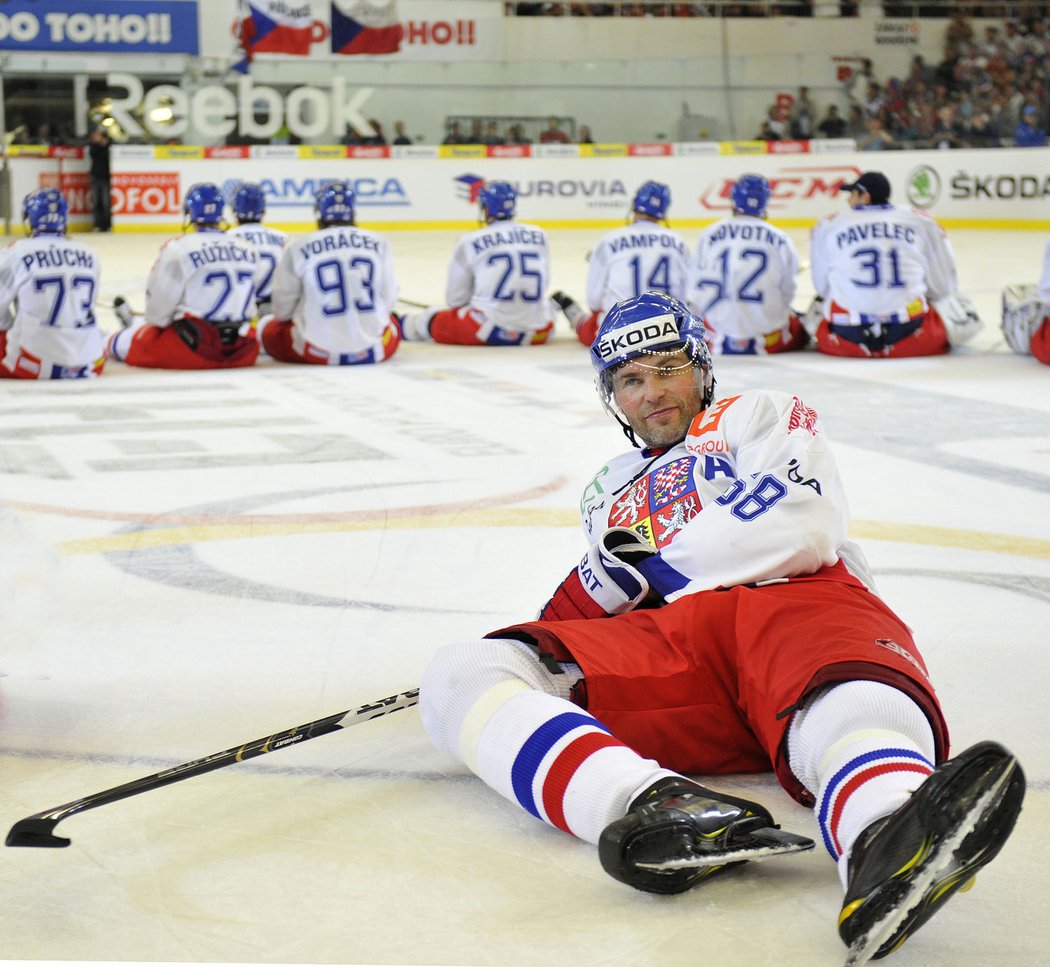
937,865
761,844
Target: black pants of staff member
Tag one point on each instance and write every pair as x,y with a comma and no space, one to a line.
100,202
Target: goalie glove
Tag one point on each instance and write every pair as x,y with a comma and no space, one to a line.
960,318
606,582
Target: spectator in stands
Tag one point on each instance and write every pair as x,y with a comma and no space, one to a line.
455,134
492,135
948,131
778,121
477,132
875,137
585,136
832,125
766,132
803,114
516,135
399,134
1028,134
856,126
553,134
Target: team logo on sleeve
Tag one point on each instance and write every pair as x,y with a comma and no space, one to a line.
802,416
660,504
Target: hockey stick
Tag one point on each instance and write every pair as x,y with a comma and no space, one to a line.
36,830
415,305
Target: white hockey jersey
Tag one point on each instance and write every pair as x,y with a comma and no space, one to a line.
339,286
1043,288
881,263
48,286
269,246
503,272
641,257
743,277
207,274
752,494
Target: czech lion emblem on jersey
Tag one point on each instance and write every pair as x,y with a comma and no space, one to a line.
660,504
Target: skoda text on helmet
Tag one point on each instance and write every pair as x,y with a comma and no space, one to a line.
249,202
751,195
497,200
652,199
46,211
204,204
651,324
335,203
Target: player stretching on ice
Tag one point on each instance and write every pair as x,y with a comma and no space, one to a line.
334,291
721,622
643,256
47,295
885,280
1026,315
497,282
200,297
742,278
249,208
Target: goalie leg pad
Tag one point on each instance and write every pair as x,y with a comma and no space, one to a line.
960,318
1023,314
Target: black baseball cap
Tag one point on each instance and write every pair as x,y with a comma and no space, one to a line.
875,183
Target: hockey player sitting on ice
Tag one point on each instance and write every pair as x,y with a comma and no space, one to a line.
643,256
333,291
48,284
885,280
1026,315
743,276
249,208
497,282
720,621
200,297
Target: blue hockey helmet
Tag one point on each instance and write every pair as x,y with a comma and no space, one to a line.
249,202
750,195
497,200
46,211
652,199
204,204
652,325
334,204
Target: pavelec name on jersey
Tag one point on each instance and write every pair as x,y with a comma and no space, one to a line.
516,236
334,240
219,253
650,240
861,233
58,257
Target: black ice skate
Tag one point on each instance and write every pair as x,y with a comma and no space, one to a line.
677,833
904,867
573,312
123,312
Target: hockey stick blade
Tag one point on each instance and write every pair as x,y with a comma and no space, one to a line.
37,830
761,844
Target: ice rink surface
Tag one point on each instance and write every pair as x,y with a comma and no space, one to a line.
189,561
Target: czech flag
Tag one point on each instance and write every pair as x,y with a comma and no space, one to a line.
279,27
366,27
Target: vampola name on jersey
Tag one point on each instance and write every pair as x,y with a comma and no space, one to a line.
650,240
657,331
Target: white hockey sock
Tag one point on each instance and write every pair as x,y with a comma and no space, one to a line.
862,748
415,326
493,705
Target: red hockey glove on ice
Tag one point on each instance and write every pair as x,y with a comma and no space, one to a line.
605,582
